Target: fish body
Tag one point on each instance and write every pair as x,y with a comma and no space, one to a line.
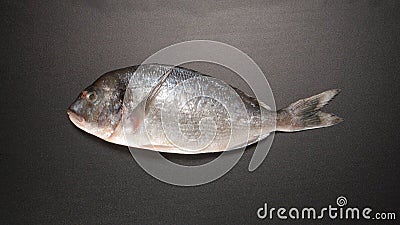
178,110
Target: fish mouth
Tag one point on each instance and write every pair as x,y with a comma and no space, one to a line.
75,118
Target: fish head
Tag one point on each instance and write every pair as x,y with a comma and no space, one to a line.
98,108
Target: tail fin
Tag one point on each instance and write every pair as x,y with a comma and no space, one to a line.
306,113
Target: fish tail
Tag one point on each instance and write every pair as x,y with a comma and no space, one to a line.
306,113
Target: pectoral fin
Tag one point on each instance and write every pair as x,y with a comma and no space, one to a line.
135,118
153,93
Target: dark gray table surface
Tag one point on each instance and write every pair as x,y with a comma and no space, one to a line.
52,173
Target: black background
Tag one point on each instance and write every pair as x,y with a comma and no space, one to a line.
52,173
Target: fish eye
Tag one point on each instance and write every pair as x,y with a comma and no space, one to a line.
91,96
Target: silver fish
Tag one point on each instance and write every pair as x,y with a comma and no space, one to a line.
178,110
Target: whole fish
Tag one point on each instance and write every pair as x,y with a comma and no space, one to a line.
178,110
